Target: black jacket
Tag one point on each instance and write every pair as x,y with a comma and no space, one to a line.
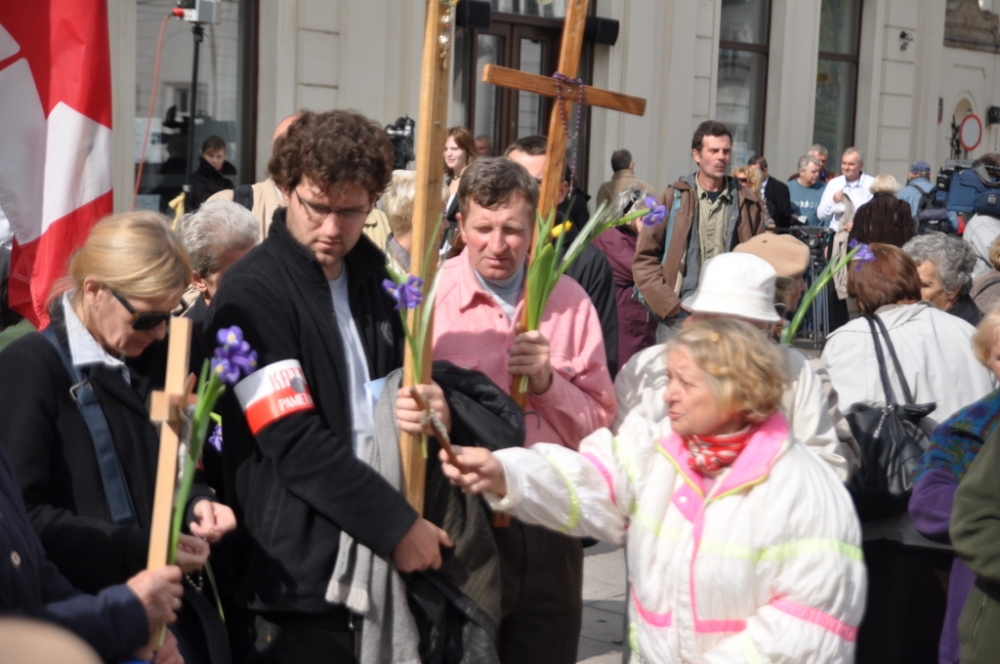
298,483
206,181
779,202
593,272
55,463
113,622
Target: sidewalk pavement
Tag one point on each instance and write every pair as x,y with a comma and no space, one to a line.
602,637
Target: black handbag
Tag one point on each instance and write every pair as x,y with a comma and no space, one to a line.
891,441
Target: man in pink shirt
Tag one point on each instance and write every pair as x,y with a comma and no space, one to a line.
478,304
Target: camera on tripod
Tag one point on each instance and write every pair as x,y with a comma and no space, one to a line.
401,134
815,237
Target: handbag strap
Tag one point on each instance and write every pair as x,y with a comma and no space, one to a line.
895,361
883,371
112,477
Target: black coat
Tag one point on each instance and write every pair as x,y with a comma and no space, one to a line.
55,463
298,483
207,181
113,622
779,202
593,272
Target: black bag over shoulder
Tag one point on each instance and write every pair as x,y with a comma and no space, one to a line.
891,440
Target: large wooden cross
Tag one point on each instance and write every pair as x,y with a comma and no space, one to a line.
165,408
555,153
427,210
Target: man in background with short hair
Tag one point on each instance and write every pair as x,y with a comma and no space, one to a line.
714,214
776,195
623,177
854,185
484,146
806,191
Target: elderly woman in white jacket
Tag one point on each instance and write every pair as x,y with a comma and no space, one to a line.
742,546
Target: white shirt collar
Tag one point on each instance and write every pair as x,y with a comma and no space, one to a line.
83,347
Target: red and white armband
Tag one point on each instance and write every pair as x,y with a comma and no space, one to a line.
274,392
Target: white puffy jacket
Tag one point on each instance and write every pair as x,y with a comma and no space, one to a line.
766,568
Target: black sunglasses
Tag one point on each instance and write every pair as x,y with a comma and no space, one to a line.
141,321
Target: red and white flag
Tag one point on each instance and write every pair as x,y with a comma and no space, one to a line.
55,137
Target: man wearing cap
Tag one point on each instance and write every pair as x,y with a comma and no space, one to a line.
918,183
740,285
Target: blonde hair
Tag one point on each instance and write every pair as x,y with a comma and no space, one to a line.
995,253
398,199
987,334
884,183
754,176
744,368
135,254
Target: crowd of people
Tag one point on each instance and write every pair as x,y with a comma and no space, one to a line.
664,413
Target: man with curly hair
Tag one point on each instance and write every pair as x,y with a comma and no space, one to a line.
310,301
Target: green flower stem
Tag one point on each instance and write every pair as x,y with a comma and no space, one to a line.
822,280
209,392
215,590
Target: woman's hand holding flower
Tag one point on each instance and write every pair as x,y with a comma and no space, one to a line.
481,471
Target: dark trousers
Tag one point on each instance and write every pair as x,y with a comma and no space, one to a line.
303,638
541,574
906,602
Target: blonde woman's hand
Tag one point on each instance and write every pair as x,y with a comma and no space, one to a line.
480,470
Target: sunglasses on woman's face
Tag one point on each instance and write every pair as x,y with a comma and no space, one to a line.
743,180
141,321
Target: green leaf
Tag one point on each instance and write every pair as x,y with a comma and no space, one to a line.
539,276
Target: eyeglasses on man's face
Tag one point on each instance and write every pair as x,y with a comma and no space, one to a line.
317,214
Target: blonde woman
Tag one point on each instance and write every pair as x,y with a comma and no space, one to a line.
741,544
90,495
751,178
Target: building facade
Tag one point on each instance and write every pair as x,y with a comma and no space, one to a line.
889,76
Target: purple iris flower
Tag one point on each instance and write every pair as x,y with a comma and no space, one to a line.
657,213
406,294
215,440
864,254
233,356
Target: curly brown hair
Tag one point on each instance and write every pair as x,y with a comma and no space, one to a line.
333,147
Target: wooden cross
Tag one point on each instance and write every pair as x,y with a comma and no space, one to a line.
555,153
165,407
427,209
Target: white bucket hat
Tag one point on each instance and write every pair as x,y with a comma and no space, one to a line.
736,284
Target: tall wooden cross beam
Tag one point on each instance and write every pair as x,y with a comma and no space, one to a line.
165,407
565,93
427,211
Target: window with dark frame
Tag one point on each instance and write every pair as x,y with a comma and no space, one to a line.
741,91
524,35
837,76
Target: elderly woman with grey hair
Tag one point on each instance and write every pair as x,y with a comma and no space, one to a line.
216,235
945,266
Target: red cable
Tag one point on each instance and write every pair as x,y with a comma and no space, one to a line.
152,102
